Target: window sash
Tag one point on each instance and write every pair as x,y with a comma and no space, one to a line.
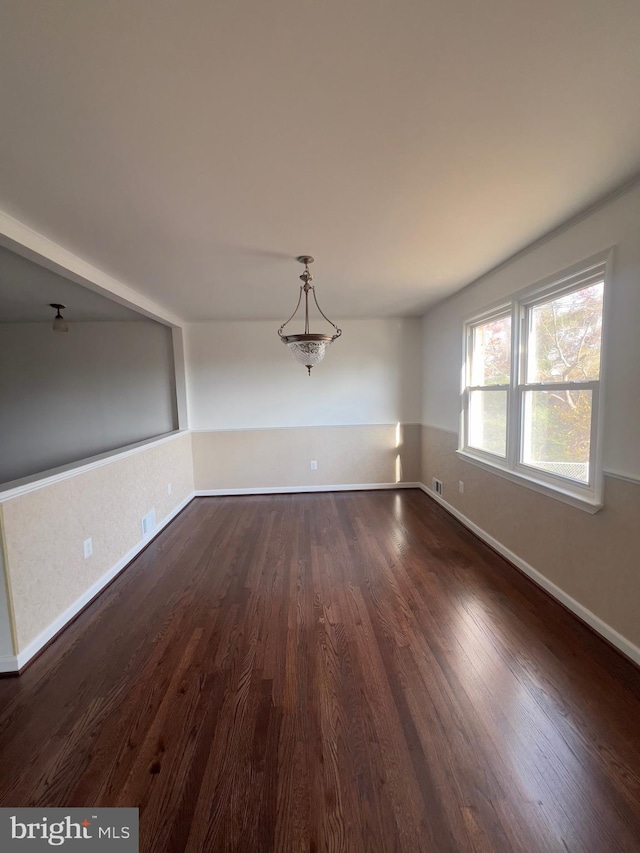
540,473
522,311
467,401
498,314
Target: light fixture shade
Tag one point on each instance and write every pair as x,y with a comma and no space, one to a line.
60,325
308,348
308,353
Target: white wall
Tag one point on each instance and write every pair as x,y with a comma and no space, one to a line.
616,224
65,397
240,376
590,562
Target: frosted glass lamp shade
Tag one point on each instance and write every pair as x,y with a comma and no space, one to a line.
59,325
308,349
309,353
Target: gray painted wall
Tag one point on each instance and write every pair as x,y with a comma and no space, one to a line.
65,397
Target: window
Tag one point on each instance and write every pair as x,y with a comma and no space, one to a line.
532,386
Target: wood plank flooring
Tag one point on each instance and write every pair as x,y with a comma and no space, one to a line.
330,672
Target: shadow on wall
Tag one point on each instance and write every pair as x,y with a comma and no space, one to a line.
408,378
67,397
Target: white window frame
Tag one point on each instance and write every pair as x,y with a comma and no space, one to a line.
587,496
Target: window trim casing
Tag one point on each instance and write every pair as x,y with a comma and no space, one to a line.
588,497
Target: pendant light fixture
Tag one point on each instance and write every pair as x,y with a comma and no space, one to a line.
308,348
59,324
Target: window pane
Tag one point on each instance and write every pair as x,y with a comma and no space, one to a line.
564,337
491,352
488,421
557,432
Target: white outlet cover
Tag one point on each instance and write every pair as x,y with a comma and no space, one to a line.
148,522
314,465
87,547
169,488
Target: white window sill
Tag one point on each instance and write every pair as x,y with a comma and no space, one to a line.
577,498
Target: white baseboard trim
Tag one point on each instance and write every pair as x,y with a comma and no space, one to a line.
288,490
16,663
12,664
621,643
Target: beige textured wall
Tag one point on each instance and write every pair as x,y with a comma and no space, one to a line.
264,458
593,558
44,529
6,636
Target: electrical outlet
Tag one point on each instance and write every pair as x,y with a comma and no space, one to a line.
87,547
169,488
436,485
314,465
461,486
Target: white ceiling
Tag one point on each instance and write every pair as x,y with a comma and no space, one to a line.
191,148
27,289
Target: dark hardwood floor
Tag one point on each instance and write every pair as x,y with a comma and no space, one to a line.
330,672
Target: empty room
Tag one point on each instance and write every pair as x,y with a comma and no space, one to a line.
320,426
